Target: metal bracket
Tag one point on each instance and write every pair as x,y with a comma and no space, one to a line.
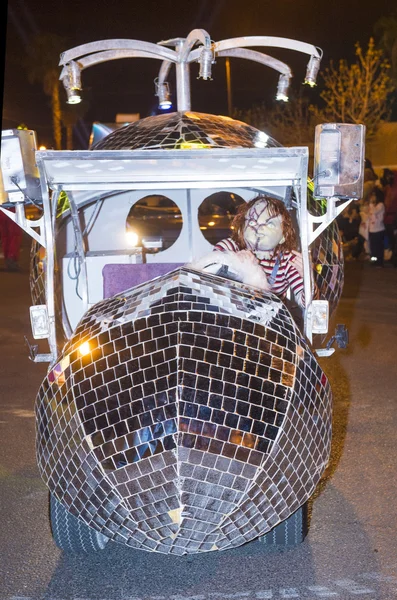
34,356
341,337
26,224
323,221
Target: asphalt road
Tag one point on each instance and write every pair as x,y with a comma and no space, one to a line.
351,550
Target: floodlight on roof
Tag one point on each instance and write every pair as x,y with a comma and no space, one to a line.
282,87
313,67
163,93
206,59
73,96
73,83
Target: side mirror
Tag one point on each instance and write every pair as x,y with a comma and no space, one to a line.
339,152
20,174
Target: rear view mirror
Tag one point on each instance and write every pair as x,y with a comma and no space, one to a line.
339,151
18,165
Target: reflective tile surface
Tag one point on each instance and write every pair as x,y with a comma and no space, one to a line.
196,420
173,131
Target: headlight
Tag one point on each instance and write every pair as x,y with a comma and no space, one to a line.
132,238
84,348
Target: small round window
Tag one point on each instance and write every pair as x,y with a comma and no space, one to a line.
153,223
216,214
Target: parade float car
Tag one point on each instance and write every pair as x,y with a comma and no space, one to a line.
182,412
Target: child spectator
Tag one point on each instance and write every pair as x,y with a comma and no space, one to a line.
389,186
370,179
376,226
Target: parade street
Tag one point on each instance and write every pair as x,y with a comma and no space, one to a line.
351,549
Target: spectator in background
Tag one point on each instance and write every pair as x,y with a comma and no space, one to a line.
349,223
376,226
370,179
361,248
389,187
352,223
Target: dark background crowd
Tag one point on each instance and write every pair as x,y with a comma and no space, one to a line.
369,225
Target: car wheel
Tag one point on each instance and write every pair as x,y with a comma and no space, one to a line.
70,534
290,532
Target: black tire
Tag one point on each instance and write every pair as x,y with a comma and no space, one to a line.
290,532
70,534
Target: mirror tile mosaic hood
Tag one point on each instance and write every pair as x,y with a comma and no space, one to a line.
198,420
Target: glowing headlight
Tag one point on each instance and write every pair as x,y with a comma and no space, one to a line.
282,87
282,97
313,67
165,104
84,348
132,238
73,96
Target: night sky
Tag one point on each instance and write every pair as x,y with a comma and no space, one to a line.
126,86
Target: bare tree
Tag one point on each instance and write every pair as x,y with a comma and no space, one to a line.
386,28
290,123
358,92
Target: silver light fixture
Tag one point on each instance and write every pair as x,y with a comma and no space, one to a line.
73,83
163,93
73,96
206,60
282,87
313,67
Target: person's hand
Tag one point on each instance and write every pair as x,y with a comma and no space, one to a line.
248,256
252,272
297,261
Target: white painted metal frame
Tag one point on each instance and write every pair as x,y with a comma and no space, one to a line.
101,171
148,169
111,171
317,224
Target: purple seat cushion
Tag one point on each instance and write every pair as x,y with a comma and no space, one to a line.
118,278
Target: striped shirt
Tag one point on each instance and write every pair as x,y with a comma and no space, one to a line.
287,274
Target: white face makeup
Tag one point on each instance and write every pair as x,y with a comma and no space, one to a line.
262,232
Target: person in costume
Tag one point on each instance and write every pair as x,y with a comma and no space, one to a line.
264,236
